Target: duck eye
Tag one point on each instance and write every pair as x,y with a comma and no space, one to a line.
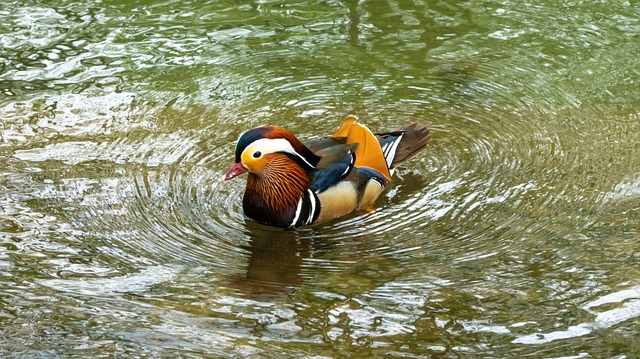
257,154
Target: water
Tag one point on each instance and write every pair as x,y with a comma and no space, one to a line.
515,234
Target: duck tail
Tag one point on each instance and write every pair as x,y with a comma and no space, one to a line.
404,143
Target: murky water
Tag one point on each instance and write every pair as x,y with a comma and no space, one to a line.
516,234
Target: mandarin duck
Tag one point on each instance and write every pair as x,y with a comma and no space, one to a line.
291,184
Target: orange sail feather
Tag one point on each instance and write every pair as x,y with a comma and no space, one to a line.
368,153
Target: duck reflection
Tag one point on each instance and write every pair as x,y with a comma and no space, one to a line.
274,269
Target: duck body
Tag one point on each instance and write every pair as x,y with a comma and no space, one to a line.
291,184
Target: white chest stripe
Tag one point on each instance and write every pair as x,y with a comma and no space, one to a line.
312,208
313,200
298,210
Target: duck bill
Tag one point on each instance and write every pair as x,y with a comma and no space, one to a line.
236,170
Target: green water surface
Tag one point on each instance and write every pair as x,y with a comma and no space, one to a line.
515,234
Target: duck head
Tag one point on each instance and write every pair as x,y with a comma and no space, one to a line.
279,168
257,148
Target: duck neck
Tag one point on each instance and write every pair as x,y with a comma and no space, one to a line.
273,194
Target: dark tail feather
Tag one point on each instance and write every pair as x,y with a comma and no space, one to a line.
402,144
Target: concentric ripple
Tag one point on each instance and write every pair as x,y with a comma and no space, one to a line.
513,234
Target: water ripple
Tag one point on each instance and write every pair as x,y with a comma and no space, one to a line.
629,309
514,232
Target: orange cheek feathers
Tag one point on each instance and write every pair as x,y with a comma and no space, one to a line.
254,165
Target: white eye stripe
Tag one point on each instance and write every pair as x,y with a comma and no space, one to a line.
271,145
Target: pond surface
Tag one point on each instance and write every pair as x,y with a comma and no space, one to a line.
515,234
